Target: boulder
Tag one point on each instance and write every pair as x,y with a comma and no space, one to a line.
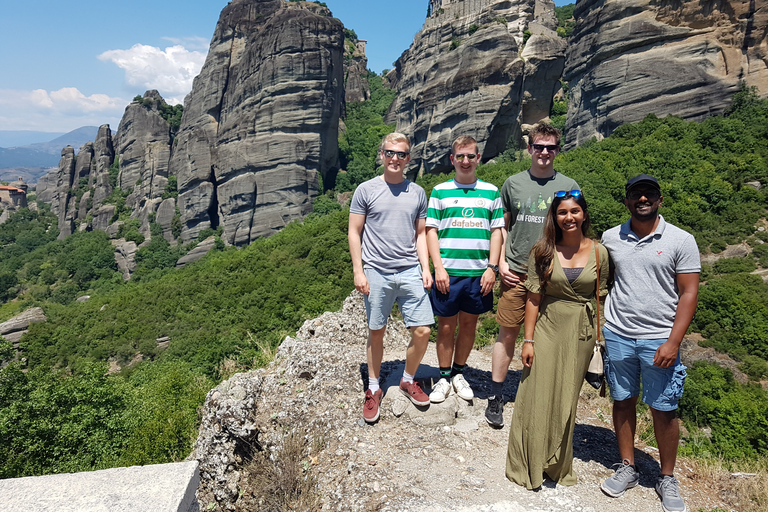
198,252
125,256
261,122
627,59
22,321
468,72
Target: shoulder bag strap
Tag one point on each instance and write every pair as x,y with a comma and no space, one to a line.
597,292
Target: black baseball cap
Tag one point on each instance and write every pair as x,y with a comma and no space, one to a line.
642,179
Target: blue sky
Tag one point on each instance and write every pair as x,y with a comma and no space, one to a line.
72,63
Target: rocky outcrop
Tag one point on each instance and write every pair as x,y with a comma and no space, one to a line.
62,201
78,187
125,257
356,86
197,253
627,59
469,72
439,458
12,330
103,157
261,122
143,145
249,410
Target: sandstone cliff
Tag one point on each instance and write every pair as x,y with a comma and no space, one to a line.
261,122
78,187
469,72
143,145
627,59
356,87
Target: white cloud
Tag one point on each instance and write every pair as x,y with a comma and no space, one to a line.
170,71
193,43
61,110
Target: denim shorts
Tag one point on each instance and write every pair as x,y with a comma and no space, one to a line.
463,295
629,359
406,288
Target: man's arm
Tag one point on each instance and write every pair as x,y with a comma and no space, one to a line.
356,225
423,252
508,277
688,285
488,280
442,280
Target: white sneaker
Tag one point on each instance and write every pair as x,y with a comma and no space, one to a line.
440,392
462,387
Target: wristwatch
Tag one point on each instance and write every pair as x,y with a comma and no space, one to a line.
495,268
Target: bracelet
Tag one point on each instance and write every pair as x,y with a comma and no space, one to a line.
527,341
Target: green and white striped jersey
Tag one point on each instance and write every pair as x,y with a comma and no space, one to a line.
464,216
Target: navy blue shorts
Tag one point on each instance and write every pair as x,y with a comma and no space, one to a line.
463,295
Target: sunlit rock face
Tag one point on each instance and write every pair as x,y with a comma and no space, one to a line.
261,123
629,58
473,69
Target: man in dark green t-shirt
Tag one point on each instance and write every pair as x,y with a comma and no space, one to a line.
526,198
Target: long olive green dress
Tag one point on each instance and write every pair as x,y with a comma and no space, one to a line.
541,434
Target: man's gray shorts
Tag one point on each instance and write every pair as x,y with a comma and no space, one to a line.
406,288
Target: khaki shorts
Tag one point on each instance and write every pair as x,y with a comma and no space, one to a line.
510,311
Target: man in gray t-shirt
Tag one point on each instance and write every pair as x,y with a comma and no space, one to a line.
526,198
648,309
388,248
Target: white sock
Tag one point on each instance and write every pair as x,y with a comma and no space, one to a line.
407,377
373,384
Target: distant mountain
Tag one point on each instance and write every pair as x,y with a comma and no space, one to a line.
15,138
75,138
43,154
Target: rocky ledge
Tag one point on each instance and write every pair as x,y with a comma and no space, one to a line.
440,458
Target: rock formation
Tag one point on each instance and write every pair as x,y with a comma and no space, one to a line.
356,87
78,187
261,122
143,145
470,71
13,329
627,59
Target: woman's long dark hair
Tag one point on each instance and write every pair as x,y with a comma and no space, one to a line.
544,249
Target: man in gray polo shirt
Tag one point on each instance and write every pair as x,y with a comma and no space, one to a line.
388,248
648,310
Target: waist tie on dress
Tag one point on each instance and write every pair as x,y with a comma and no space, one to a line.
586,318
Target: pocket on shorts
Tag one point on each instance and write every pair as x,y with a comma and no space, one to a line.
674,390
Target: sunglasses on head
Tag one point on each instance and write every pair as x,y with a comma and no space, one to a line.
461,156
400,154
650,193
549,147
568,193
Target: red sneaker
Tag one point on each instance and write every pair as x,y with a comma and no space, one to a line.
414,392
371,405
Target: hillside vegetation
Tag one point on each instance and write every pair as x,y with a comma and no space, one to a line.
61,411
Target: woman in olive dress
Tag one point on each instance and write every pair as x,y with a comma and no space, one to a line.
559,339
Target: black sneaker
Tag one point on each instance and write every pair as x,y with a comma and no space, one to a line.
494,413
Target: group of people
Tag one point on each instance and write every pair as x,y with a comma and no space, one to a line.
534,236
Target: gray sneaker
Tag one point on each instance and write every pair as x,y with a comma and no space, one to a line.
494,413
625,477
666,488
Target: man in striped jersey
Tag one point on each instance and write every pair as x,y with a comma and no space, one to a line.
464,235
